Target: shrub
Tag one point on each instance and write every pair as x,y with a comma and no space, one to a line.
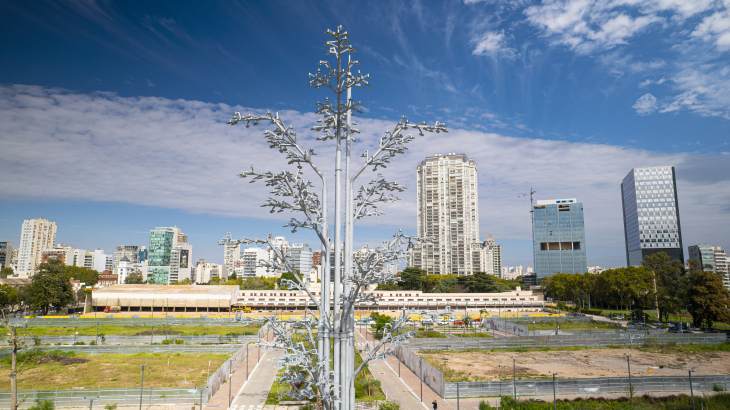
36,341
483,405
717,388
43,405
389,405
366,387
111,406
79,343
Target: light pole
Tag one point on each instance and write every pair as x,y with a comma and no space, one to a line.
91,402
555,399
628,362
514,378
141,386
691,391
230,381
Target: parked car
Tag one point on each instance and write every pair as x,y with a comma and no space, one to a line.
426,322
458,322
478,319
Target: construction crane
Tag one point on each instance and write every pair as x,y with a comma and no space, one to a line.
532,217
490,234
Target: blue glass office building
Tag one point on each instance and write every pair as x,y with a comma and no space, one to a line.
651,214
560,238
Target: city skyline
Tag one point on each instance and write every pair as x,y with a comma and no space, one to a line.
135,108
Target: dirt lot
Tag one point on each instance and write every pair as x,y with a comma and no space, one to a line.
486,365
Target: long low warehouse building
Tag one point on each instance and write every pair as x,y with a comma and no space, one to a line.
518,300
175,298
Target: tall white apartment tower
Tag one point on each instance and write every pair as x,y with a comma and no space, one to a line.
448,212
231,254
35,236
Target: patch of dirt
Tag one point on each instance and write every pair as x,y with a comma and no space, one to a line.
157,332
591,363
65,361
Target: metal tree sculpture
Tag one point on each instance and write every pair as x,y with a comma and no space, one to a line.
310,369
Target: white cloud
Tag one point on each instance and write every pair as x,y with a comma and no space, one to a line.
493,44
587,25
715,28
180,154
645,105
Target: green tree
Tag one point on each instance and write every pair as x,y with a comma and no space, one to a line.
708,298
388,286
5,272
133,278
667,276
411,278
88,276
289,276
8,296
259,283
49,286
381,321
446,285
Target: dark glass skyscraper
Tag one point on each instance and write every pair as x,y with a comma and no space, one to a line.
651,214
560,238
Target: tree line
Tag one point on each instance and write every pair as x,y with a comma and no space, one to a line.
49,287
660,284
414,278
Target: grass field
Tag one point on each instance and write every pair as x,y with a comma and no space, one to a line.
681,402
573,327
143,330
48,370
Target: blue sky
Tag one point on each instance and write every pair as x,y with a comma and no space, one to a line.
117,109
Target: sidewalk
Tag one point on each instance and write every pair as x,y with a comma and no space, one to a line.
219,401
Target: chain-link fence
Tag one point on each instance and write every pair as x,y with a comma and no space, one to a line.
600,385
142,322
628,339
544,319
122,397
140,340
131,349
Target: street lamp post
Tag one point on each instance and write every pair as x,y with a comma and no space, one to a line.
141,386
691,391
514,379
230,381
555,399
628,362
91,402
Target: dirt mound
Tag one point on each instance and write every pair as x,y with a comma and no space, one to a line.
160,332
65,361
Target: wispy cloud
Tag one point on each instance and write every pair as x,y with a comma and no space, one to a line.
493,44
189,159
645,105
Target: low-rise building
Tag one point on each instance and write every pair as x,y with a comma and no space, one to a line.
180,298
108,278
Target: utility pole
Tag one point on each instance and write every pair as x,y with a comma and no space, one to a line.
532,228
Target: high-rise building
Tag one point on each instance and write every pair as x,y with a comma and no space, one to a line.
142,254
560,238
36,235
251,258
705,255
488,257
721,265
98,260
316,258
130,251
651,214
163,241
300,257
205,271
448,212
6,254
181,266
231,254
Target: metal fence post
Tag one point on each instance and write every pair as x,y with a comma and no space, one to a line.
201,399
691,391
457,396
